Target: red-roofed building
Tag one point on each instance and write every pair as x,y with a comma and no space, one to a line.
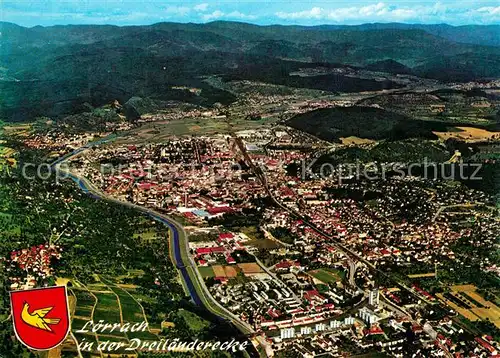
203,251
417,328
274,313
189,215
219,210
226,236
282,266
218,250
145,185
486,345
385,252
374,330
331,249
425,293
313,296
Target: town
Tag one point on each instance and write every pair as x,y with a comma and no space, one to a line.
311,270
217,188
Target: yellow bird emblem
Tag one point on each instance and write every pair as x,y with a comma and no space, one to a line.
37,317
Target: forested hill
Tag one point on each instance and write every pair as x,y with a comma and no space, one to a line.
55,70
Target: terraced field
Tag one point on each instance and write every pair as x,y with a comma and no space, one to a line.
85,304
110,303
107,308
132,311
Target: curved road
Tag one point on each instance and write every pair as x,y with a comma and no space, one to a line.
178,246
350,254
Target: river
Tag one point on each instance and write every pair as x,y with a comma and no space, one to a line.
181,266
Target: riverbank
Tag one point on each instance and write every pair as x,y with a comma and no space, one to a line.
178,244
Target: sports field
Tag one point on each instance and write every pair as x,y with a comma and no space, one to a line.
225,271
327,275
250,268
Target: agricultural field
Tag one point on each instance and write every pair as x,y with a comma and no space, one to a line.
130,274
90,340
107,308
469,134
194,322
147,236
422,275
7,158
161,130
206,272
111,303
466,301
352,140
85,304
69,342
132,296
132,311
17,129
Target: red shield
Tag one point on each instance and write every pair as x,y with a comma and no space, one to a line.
40,316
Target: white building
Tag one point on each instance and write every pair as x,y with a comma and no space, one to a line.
349,320
367,315
305,330
335,324
320,327
287,333
373,299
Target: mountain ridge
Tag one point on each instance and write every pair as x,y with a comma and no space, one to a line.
99,63
470,34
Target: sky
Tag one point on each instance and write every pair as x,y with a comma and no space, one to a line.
305,12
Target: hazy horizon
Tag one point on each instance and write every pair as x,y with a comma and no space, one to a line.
251,23
258,12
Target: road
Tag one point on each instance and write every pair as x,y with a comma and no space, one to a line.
384,302
351,255
180,253
468,205
179,246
